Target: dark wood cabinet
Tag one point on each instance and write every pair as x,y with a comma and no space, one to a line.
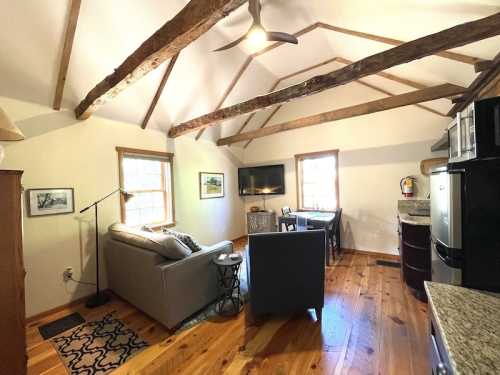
415,251
12,311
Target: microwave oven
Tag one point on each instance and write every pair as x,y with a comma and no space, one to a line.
475,132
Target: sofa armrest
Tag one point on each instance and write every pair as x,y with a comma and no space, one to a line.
191,283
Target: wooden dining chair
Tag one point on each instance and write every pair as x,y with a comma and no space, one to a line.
333,228
287,211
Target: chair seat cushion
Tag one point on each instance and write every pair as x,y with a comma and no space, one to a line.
164,244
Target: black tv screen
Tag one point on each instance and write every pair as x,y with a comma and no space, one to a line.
266,180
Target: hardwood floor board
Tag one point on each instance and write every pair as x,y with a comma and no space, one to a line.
371,325
395,346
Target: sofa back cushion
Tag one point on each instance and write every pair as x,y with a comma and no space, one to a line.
164,244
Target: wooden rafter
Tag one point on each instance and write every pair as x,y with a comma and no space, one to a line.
449,55
395,42
481,66
450,38
414,97
159,91
197,17
66,52
361,82
342,60
475,88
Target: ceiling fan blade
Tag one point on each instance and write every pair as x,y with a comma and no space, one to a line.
255,8
275,36
232,44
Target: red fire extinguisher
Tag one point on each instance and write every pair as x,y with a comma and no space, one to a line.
407,185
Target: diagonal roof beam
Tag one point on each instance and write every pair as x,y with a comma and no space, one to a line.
196,18
414,97
450,38
74,12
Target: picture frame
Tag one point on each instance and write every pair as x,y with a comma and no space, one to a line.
51,201
211,185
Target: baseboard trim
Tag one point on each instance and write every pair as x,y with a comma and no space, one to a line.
374,254
54,310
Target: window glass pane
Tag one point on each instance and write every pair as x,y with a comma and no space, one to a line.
318,183
141,174
145,208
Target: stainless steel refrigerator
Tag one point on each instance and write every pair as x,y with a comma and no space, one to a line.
465,224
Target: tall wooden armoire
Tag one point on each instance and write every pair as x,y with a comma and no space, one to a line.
12,310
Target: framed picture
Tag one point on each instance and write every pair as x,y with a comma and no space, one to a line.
211,185
43,202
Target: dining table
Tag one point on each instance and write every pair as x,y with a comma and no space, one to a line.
314,220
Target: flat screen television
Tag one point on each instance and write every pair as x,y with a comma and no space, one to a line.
265,180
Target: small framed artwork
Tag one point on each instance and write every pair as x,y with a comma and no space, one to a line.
211,185
43,202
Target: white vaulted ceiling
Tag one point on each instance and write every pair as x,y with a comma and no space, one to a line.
109,30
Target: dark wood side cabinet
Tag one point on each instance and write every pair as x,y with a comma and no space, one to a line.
415,251
12,310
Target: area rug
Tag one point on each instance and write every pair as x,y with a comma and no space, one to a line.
98,347
209,312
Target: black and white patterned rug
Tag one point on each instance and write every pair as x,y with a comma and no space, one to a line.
98,347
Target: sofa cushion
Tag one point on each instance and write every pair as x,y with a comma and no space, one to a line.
166,245
186,239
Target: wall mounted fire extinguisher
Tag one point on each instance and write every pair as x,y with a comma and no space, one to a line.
407,185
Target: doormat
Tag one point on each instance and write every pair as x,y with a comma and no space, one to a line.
58,326
388,263
98,347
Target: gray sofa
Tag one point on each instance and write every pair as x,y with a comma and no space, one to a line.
167,290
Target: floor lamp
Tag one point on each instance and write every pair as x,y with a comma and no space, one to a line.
100,298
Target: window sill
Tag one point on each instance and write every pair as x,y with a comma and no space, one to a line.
158,226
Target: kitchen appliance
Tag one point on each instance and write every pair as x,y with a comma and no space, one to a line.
475,132
407,186
465,219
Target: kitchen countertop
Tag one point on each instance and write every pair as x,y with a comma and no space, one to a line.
469,324
408,205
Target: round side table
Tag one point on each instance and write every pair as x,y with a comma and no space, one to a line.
229,303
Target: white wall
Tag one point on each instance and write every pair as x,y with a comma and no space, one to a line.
376,151
62,152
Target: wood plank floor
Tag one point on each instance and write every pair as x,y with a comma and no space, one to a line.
371,325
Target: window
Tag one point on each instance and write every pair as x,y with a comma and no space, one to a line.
317,181
148,176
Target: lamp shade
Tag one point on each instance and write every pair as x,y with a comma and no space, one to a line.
9,131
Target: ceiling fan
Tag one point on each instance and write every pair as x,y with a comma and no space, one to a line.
257,33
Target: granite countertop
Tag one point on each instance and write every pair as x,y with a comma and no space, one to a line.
408,205
469,324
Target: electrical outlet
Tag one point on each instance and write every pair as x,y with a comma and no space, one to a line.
68,274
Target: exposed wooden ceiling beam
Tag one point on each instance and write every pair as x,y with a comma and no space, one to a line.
197,17
159,91
450,38
395,42
481,81
376,88
481,66
74,12
361,82
419,96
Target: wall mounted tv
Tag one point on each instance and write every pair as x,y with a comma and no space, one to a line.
265,180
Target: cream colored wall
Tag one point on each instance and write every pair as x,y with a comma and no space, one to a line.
62,152
376,151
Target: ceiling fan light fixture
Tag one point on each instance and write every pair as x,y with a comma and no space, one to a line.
257,37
